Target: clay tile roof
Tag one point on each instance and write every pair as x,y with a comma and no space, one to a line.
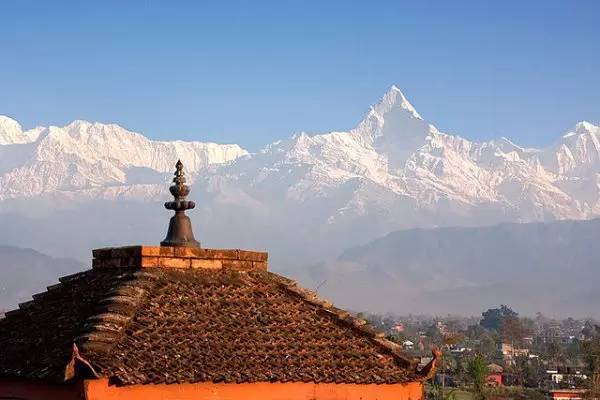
171,325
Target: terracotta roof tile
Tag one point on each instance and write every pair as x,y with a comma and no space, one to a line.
194,325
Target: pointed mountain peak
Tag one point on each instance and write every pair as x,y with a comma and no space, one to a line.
77,123
10,131
81,128
395,99
584,126
581,128
8,123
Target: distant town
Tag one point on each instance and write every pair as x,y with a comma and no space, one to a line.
501,355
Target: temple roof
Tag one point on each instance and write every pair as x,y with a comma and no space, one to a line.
169,325
180,313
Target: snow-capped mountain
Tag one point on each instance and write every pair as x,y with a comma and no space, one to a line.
308,197
11,132
315,193
394,162
84,155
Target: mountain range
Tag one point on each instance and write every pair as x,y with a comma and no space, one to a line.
83,156
306,198
24,272
547,267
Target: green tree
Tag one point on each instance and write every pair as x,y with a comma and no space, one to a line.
396,337
592,357
487,345
554,354
529,372
434,335
438,392
475,332
478,371
512,330
460,369
492,318
573,352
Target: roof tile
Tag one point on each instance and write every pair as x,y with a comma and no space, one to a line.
161,325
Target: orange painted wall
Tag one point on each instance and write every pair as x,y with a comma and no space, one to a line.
100,390
40,391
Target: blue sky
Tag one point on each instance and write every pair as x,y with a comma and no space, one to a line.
251,72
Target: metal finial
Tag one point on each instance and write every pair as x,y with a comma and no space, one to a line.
180,227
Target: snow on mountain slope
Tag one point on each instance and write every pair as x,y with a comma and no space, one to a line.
577,152
318,193
412,162
84,155
11,132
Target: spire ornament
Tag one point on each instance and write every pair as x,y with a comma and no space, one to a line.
180,227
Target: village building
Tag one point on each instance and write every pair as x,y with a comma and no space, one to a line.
565,376
509,352
178,321
494,377
566,394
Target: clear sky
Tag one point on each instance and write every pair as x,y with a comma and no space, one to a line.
251,72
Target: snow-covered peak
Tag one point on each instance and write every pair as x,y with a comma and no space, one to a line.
581,128
10,131
395,99
393,159
393,171
84,155
396,151
392,119
506,145
9,123
585,127
576,152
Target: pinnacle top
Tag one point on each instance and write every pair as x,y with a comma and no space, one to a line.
179,191
179,169
180,227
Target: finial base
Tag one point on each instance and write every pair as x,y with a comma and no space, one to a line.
180,232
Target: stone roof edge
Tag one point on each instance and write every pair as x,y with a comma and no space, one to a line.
357,324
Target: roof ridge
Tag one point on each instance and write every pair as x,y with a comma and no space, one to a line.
103,329
359,325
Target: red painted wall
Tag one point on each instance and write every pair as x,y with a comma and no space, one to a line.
494,379
557,394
